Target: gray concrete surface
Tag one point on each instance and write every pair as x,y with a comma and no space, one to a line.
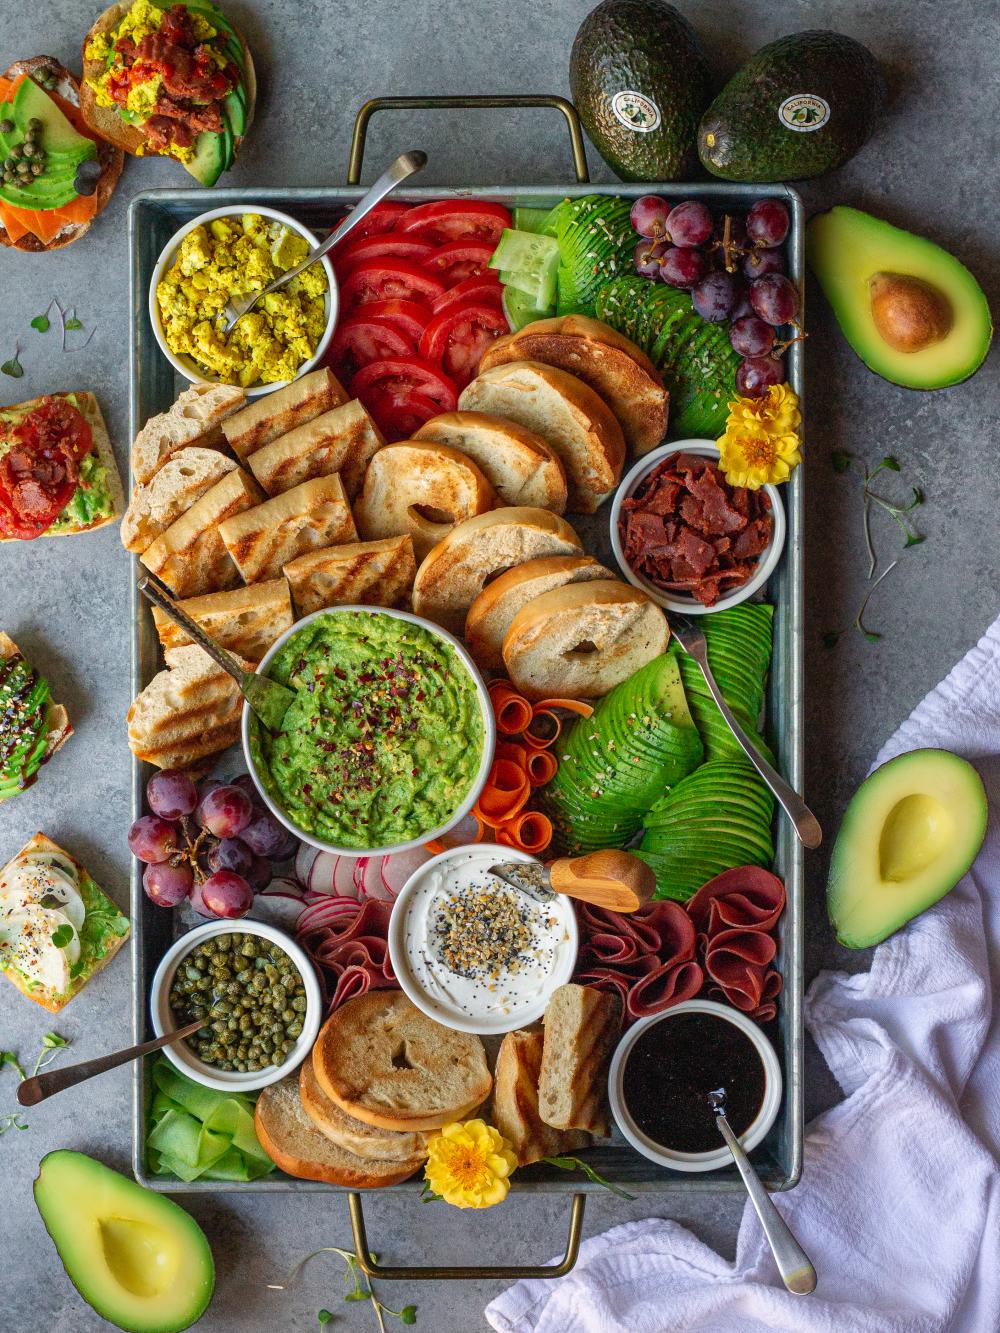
65,601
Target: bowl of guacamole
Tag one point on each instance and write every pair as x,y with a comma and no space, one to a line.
390,738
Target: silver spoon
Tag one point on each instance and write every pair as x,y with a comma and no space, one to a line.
805,823
793,1263
34,1090
405,165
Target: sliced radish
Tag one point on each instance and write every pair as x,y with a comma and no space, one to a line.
343,878
359,868
397,869
321,875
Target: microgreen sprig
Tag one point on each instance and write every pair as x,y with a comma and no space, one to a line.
576,1164
359,1289
68,323
13,367
11,1121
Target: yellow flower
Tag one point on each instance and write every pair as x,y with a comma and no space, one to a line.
761,443
469,1165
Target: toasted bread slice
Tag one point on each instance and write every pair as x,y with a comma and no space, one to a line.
57,727
293,1143
455,572
357,573
521,467
611,364
423,490
186,713
581,640
367,1141
277,413
581,1030
180,483
515,1102
386,1063
575,422
492,613
191,557
194,419
246,620
342,440
306,518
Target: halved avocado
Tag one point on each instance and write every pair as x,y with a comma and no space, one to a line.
137,1258
912,312
911,831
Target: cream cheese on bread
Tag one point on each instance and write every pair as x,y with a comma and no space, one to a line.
40,904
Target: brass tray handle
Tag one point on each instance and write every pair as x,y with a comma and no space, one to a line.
390,1273
474,103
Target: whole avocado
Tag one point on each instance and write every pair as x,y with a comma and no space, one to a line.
800,107
640,80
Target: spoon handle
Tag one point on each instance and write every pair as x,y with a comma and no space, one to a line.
34,1090
794,1264
152,589
611,879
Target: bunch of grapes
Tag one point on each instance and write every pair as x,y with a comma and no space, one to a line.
211,843
734,269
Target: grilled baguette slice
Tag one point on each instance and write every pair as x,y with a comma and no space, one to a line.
386,1063
293,1143
341,440
407,483
612,365
357,573
575,422
455,572
367,1141
306,518
581,640
492,613
57,727
515,1102
194,419
581,1030
186,713
521,467
191,557
277,413
246,620
180,483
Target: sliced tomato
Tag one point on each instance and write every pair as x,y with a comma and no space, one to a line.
397,374
457,220
39,473
457,338
458,260
409,317
56,424
385,245
400,415
485,289
382,218
388,280
360,340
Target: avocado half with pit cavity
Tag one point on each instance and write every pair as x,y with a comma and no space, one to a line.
912,312
912,830
137,1258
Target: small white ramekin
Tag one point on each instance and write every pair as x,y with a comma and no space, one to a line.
485,708
766,563
721,1156
183,1056
183,364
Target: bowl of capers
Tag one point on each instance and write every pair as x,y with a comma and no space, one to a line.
257,991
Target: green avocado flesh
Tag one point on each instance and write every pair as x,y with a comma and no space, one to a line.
910,832
90,502
24,711
66,149
847,248
596,242
134,1256
739,653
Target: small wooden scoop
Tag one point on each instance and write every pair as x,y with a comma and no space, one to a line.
618,881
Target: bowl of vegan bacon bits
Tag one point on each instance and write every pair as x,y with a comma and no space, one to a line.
690,539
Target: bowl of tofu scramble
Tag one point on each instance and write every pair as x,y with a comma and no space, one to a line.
237,252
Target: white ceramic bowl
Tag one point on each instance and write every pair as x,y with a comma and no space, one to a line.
450,1015
183,1056
486,711
676,601
721,1156
183,364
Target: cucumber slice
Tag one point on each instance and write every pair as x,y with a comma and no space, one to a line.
527,283
528,262
521,310
534,220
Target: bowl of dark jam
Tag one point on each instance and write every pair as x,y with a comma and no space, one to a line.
669,1070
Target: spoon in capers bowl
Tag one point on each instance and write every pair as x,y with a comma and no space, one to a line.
31,1091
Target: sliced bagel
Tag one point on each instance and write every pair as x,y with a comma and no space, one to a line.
578,425
421,490
384,1062
492,613
453,575
521,467
581,640
367,1141
293,1143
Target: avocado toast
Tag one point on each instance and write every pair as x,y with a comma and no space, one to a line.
32,727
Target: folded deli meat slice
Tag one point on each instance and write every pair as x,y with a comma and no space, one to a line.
646,958
306,518
521,467
191,557
342,440
735,915
277,413
376,573
186,713
246,620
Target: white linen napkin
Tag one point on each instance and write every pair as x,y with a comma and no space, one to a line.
899,1203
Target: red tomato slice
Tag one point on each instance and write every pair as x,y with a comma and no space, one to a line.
382,218
360,340
400,415
401,375
458,260
465,219
57,424
486,289
457,338
385,245
388,280
39,474
409,317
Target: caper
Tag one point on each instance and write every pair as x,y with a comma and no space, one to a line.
17,150
34,125
223,943
28,148
6,126
192,971
295,1029
23,167
249,948
37,168
299,1004
9,177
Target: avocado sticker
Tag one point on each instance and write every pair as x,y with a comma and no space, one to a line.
636,111
804,113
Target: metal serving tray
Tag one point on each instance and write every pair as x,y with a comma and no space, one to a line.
153,217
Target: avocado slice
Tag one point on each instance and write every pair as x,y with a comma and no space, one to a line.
913,313
210,157
51,190
134,1256
235,113
58,134
911,831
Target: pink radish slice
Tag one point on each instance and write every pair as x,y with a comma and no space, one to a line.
343,878
397,869
283,886
321,874
374,884
280,904
358,874
304,859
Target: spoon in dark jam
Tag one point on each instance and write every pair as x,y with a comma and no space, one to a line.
793,1263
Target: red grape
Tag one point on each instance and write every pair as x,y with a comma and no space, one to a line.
715,296
774,298
757,374
646,259
743,306
226,894
768,222
260,873
152,839
760,262
264,835
288,848
171,794
167,885
750,336
225,811
689,224
230,854
683,268
247,785
649,216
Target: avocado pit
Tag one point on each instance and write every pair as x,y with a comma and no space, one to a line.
908,313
